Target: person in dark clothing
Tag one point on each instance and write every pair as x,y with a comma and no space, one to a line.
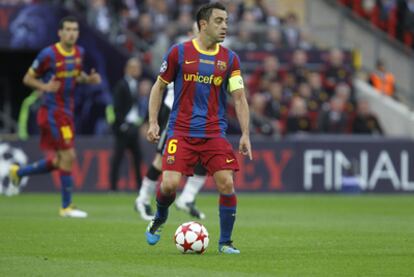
336,72
260,123
365,121
333,119
129,116
298,69
298,121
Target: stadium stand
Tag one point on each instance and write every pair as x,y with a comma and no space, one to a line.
394,17
280,61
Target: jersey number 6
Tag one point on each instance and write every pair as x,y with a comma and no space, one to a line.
172,146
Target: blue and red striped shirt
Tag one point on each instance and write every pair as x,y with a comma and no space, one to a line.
201,82
66,66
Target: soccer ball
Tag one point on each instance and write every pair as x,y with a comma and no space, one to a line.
191,237
10,155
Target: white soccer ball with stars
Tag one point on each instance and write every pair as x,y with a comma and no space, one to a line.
10,155
191,237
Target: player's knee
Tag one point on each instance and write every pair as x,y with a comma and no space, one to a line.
169,186
225,184
69,157
170,182
66,159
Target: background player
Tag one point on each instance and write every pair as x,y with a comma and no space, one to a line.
55,72
202,72
129,116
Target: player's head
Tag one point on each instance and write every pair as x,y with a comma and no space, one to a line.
68,30
212,21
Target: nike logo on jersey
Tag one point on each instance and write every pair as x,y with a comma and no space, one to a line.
190,62
229,160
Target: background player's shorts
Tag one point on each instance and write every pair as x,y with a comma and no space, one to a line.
182,154
57,131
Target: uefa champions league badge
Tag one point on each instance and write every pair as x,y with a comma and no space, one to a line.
163,67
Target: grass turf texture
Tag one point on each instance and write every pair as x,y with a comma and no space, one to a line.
278,235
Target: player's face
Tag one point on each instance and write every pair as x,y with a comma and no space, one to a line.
216,27
69,33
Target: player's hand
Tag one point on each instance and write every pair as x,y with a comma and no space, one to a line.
52,86
245,147
94,77
153,133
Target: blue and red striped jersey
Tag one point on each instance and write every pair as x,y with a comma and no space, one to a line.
66,66
200,81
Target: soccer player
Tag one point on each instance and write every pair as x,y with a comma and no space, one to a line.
202,71
55,72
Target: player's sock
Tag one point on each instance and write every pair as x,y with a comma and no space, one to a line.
163,203
227,208
39,167
191,188
66,182
147,189
149,184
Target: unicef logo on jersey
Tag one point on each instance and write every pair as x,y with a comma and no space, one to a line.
216,80
163,67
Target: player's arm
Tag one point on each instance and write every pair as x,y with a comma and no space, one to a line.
236,88
32,81
154,105
243,115
92,79
242,110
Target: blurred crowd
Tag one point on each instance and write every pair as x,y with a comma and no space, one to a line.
149,27
296,98
395,17
289,97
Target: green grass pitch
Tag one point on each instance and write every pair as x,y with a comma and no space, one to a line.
278,235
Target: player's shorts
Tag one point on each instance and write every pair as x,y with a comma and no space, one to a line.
57,130
182,154
163,117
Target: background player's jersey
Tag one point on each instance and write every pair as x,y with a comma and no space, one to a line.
66,66
200,86
169,96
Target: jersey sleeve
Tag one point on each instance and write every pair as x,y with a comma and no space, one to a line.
41,64
168,69
235,79
82,58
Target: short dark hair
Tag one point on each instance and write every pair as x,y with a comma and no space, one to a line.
204,12
69,18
